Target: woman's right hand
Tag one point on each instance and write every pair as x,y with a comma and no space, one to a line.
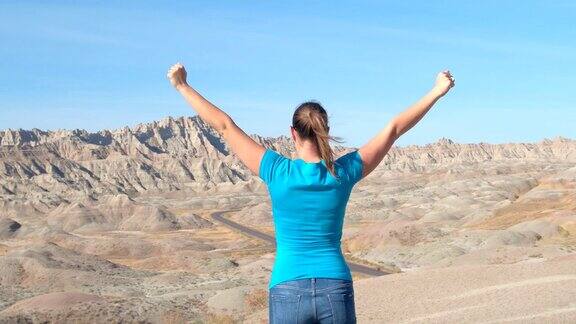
177,75
444,82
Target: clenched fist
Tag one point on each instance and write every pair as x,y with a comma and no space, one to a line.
444,82
177,75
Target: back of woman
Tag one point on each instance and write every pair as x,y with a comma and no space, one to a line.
308,208
309,201
310,280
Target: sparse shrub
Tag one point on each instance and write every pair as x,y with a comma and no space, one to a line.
173,317
219,319
256,300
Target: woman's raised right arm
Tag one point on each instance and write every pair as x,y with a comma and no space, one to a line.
374,151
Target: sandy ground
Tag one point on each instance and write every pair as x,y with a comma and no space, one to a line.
524,292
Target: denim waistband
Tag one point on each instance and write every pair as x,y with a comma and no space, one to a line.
314,284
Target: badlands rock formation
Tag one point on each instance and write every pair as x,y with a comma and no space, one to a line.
115,226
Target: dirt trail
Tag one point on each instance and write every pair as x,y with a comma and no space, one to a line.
354,267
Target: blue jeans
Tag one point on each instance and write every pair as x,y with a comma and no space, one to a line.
312,300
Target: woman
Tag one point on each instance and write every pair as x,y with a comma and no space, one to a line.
310,280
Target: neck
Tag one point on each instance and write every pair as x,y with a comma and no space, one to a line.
313,159
308,154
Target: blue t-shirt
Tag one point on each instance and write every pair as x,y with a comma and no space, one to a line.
308,207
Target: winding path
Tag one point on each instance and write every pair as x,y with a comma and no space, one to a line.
355,267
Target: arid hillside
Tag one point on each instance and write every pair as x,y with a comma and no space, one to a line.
118,226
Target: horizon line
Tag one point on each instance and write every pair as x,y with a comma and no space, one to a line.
196,116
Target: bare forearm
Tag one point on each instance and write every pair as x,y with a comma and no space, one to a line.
209,113
413,114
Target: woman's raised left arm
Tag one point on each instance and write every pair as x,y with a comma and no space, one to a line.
247,150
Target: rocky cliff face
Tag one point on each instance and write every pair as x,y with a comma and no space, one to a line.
445,151
162,156
47,168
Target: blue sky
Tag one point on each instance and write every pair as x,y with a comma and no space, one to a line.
102,64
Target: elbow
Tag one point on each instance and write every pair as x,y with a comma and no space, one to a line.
224,124
394,129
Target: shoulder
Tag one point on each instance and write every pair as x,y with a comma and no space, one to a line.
270,163
349,157
352,163
272,155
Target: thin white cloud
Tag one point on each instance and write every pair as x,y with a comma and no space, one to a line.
515,47
80,36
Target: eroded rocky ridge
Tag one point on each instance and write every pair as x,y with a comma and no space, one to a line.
49,167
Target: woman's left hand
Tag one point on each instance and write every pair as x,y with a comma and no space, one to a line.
444,82
177,75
